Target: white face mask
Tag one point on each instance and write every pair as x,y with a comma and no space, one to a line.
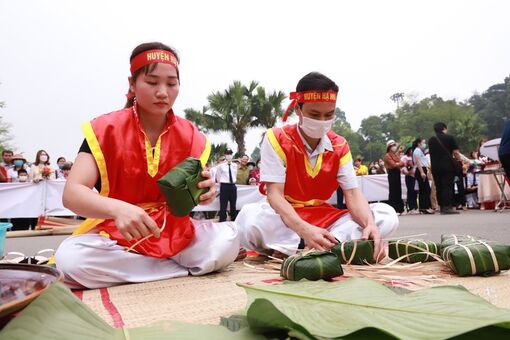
22,178
43,158
316,128
228,157
393,148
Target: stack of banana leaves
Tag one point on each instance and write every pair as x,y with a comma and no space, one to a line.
354,308
412,251
179,186
311,265
468,256
359,252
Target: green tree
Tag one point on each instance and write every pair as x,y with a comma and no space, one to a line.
343,128
217,150
237,109
416,119
5,135
493,107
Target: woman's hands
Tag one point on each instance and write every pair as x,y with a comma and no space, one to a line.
209,196
133,222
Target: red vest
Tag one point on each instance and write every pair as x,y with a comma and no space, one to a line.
129,170
307,188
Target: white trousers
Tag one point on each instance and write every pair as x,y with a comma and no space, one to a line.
262,229
94,261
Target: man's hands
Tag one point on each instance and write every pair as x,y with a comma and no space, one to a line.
209,196
317,238
371,232
133,222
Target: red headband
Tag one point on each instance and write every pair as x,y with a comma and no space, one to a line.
307,97
151,57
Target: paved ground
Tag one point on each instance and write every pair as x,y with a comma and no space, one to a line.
488,224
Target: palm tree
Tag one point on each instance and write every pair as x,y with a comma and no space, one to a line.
238,109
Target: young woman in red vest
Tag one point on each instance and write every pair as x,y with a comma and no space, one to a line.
130,234
302,165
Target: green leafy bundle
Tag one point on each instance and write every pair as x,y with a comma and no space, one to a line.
312,265
477,258
355,252
414,250
179,186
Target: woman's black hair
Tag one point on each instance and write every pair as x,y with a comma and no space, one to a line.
315,81
150,67
439,127
416,142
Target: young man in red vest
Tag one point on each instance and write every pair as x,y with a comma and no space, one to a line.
302,165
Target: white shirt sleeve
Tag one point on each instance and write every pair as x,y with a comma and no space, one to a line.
347,176
272,167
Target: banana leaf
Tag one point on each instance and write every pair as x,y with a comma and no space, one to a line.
179,186
401,248
361,308
313,266
479,258
355,252
58,314
451,239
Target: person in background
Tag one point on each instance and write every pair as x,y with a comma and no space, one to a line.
372,169
255,174
421,163
7,162
409,171
393,165
214,168
3,174
504,150
58,171
444,152
359,168
19,163
226,175
66,169
380,167
243,171
41,167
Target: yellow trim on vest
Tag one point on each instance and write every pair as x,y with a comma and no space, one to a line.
204,157
97,153
87,225
276,146
152,161
345,158
95,148
315,171
301,204
91,223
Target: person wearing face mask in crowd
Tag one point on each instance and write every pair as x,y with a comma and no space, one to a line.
381,169
226,175
19,163
422,165
393,165
59,174
41,167
302,165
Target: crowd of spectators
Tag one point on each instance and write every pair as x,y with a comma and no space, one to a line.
413,161
15,168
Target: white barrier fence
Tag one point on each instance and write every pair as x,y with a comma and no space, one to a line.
45,198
